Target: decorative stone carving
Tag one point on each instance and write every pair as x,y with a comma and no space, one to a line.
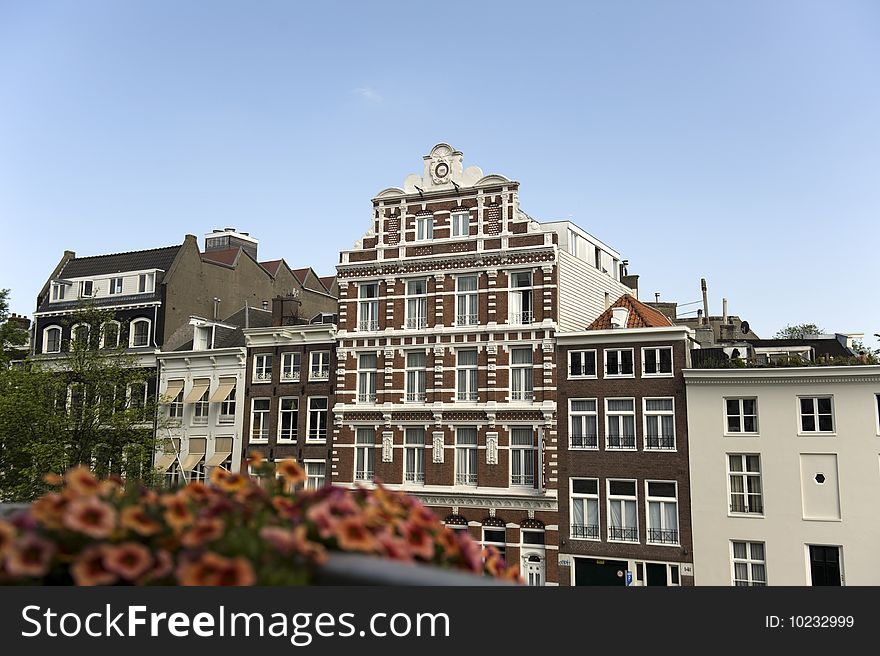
387,446
438,447
491,448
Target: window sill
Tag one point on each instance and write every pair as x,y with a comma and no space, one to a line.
583,448
257,382
285,441
661,449
746,515
621,448
669,375
259,440
817,434
316,440
663,544
593,377
571,537
741,434
610,541
614,376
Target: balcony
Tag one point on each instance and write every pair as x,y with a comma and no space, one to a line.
415,397
623,534
663,443
366,397
290,376
414,477
466,320
416,322
465,478
368,325
588,531
319,374
521,318
621,442
583,442
263,376
522,479
662,536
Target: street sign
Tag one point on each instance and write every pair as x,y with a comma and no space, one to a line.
629,577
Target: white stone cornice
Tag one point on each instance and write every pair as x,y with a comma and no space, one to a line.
477,500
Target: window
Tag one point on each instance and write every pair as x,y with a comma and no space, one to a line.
200,409
619,363
466,312
75,400
424,228
585,508
414,455
742,415
461,224
749,566
582,364
583,430
466,375
317,419
59,289
364,454
263,368
146,282
86,288
227,408
319,368
367,378
495,537
523,455
79,337
290,367
416,303
816,414
574,240
657,361
659,423
368,306
203,338
260,420
520,297
197,473
466,456
110,334
416,376
175,408
52,340
140,332
316,473
115,286
172,475
662,512
744,472
288,413
521,383
620,429
137,400
622,517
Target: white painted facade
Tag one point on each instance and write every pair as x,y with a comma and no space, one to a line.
819,489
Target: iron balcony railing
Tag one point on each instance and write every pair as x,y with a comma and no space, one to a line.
263,376
623,533
466,478
416,322
656,442
320,374
466,320
467,396
290,376
584,442
522,479
415,396
414,477
589,531
521,317
522,395
368,324
364,475
366,397
663,535
621,442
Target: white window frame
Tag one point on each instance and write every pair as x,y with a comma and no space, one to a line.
749,561
83,285
132,331
146,283
425,227
745,475
619,415
523,457
129,396
741,416
500,546
316,413
367,379
416,305
201,409
658,373
592,532
461,223
582,417
264,421
291,362
522,376
73,330
625,530
312,478
59,291
414,456
816,415
46,338
523,316
663,440
416,378
583,353
365,454
322,370
619,351
468,477
115,286
467,302
104,325
469,393
368,305
663,535
203,338
262,372
175,406
293,413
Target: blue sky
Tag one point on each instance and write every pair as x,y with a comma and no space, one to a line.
735,141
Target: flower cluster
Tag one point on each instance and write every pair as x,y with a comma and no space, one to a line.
232,531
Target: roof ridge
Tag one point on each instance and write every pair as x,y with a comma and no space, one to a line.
143,250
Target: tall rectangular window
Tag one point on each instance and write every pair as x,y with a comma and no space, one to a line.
416,303
262,368
466,456
521,375
817,414
749,563
146,282
466,375
316,430
319,368
523,454
585,508
461,224
520,298
466,309
367,378
86,288
416,376
583,431
115,286
744,473
623,522
574,240
620,427
582,364
618,363
659,423
495,537
742,415
288,417
140,332
200,410
260,420
424,228
290,363
657,361
227,408
414,455
59,290
368,306
662,512
364,454
175,408
316,473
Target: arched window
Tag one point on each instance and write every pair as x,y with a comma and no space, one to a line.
79,336
139,333
52,339
110,334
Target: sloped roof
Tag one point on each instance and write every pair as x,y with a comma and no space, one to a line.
272,266
301,274
98,265
251,317
640,315
226,256
328,282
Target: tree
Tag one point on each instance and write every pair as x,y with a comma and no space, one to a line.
11,333
87,406
798,331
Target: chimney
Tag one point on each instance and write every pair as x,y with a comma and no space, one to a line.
285,310
619,315
724,310
705,301
216,308
266,305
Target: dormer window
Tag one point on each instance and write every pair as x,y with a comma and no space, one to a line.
59,289
86,288
146,282
203,339
115,286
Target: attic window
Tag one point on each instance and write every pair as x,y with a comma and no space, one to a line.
619,317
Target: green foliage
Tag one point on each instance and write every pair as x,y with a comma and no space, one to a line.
798,331
11,334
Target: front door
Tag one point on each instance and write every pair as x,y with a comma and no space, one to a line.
656,574
824,565
591,571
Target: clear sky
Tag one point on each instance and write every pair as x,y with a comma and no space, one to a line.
736,141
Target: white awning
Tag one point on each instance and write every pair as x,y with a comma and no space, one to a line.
200,386
220,394
191,461
218,458
174,388
163,462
